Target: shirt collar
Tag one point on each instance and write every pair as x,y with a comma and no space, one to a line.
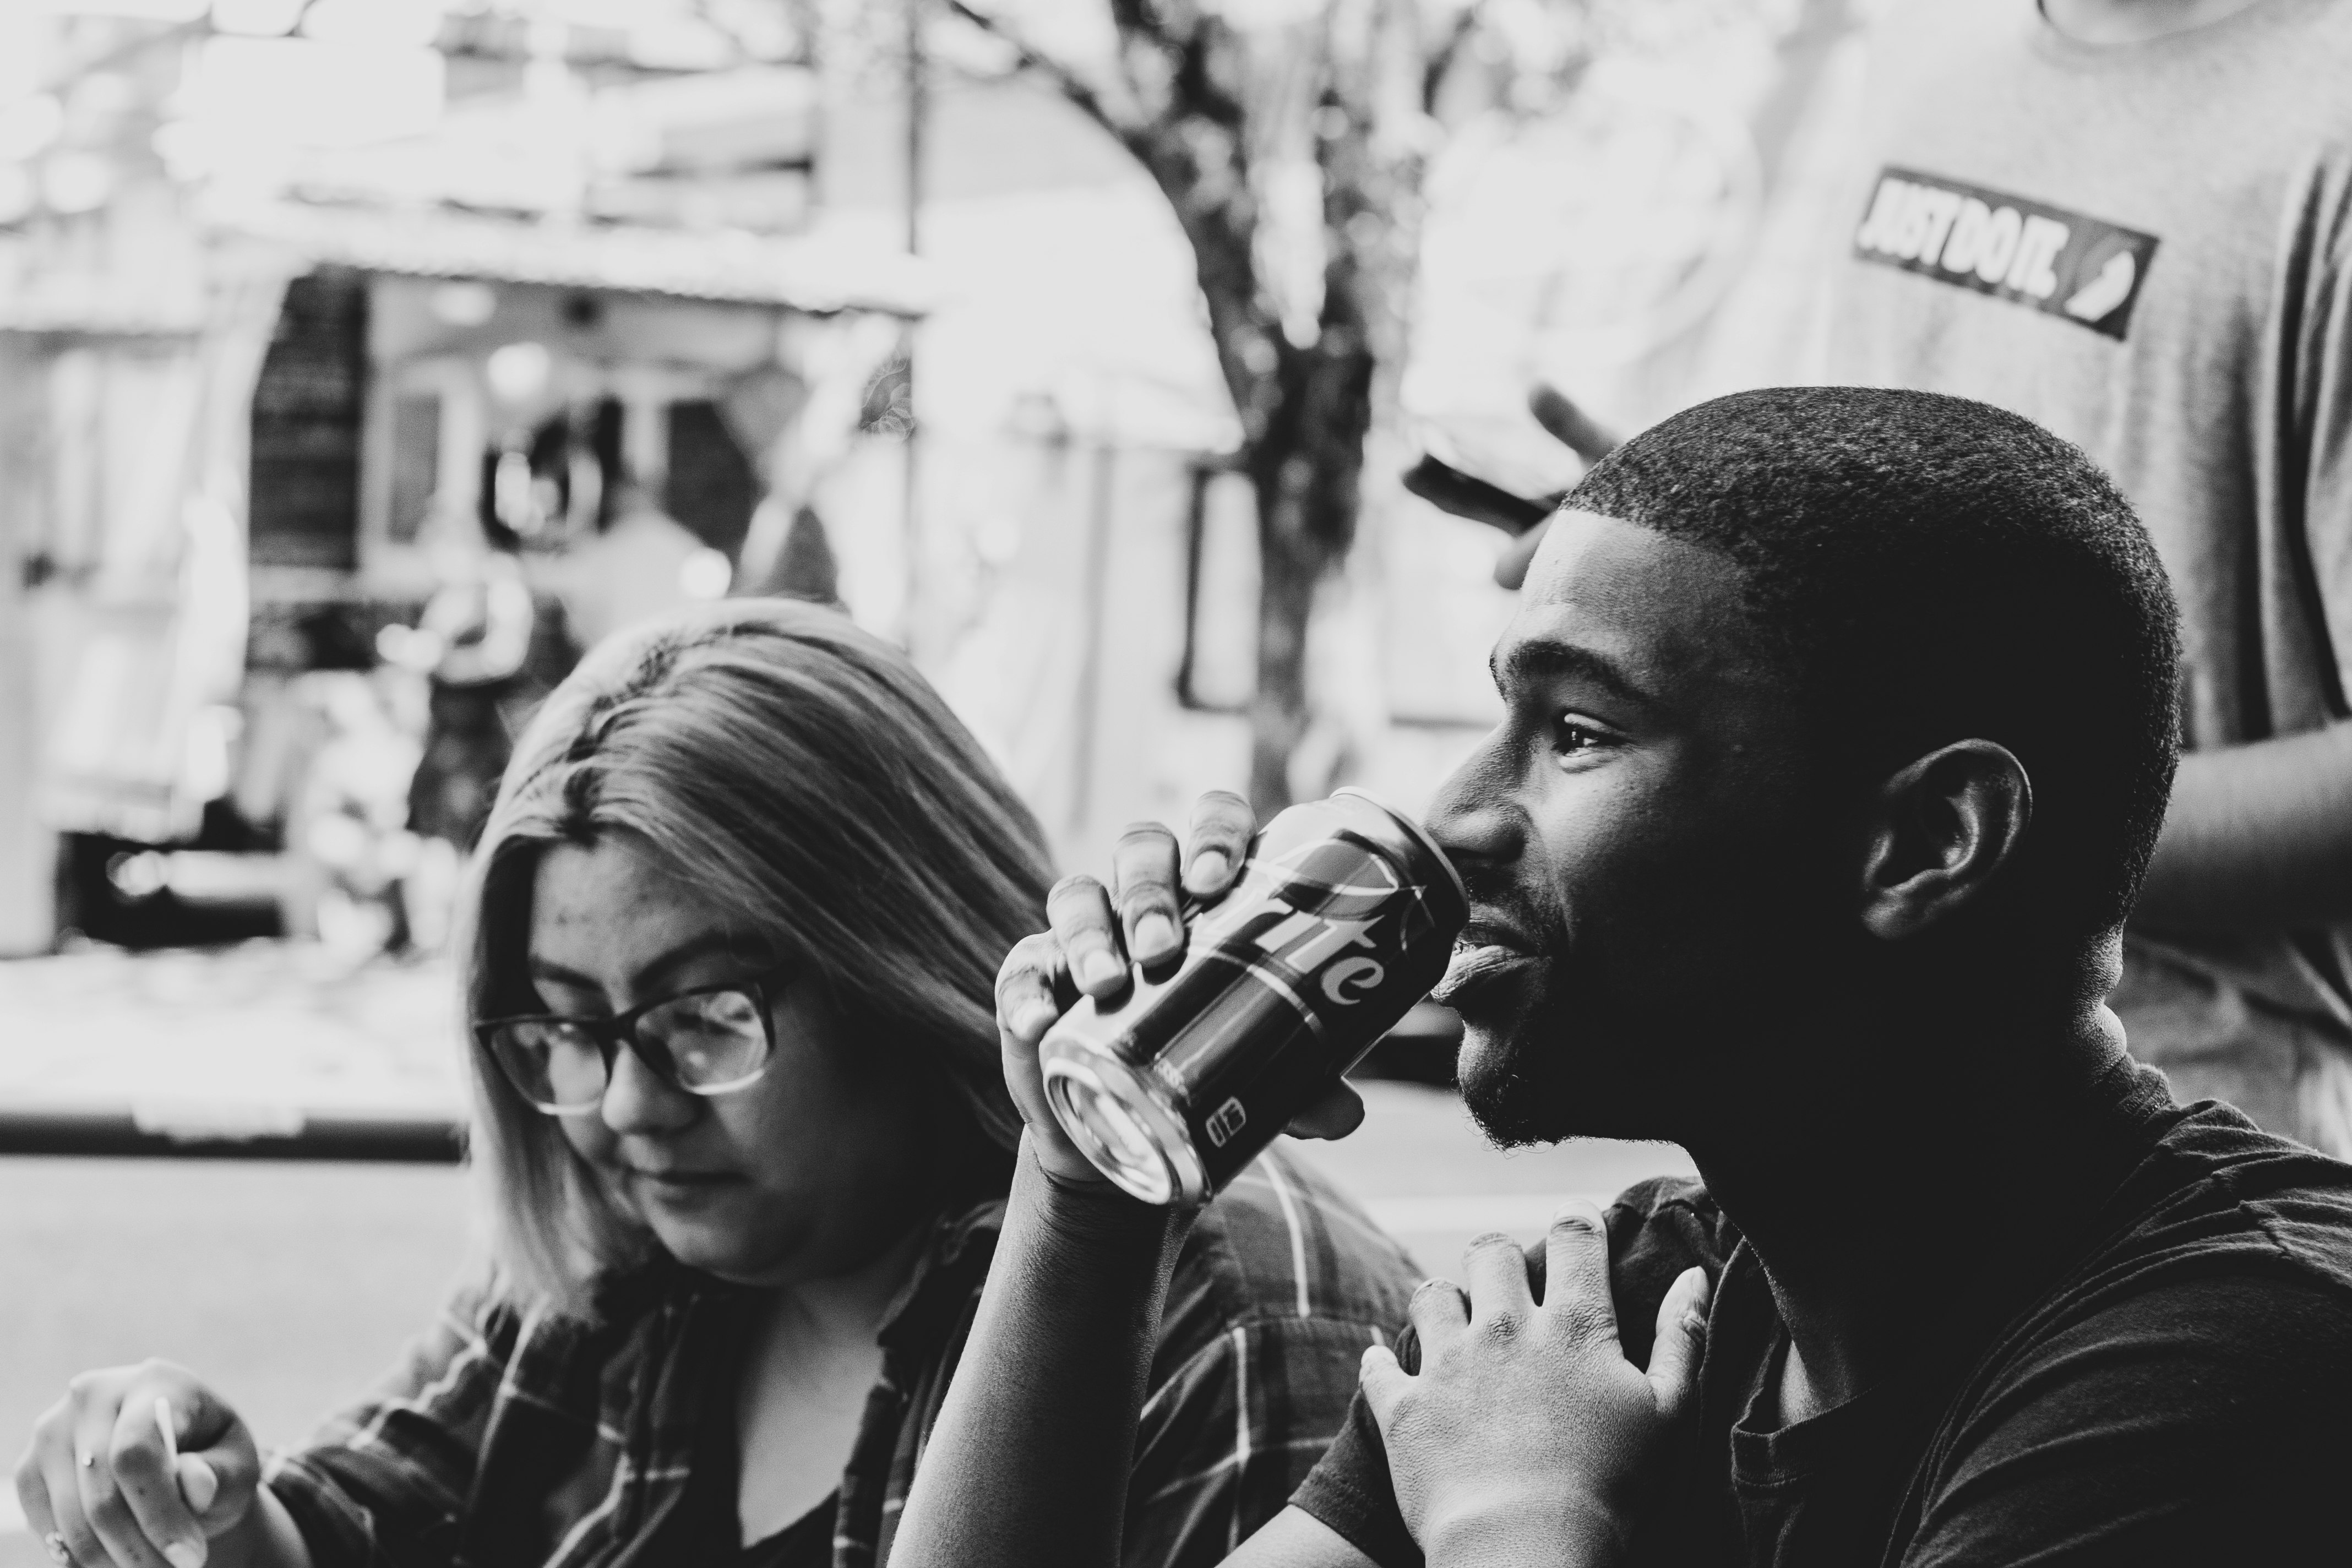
948,1271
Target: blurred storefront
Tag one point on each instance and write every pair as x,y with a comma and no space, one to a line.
569,319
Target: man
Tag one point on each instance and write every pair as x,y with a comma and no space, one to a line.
2131,222
1838,727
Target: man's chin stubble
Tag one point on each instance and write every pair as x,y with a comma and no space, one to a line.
1533,1081
1505,1073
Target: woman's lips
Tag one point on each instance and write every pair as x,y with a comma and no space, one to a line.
681,1182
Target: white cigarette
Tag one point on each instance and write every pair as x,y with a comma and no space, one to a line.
171,1438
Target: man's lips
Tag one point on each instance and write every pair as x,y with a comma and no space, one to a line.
1488,928
1484,953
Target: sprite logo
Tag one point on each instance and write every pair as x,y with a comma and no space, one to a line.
1325,899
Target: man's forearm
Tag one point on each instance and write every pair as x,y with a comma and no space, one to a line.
2258,837
1029,1462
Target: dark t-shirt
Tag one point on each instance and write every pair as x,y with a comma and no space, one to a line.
2175,1386
716,1527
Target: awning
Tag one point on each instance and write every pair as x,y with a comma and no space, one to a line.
811,273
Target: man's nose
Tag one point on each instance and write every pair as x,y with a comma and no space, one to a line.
637,1102
1473,817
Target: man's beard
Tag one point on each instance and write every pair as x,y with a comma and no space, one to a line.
1538,1078
1504,1094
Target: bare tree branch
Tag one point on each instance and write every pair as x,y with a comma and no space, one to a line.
1072,86
1442,59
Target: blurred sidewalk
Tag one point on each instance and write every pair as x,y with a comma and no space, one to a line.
266,1040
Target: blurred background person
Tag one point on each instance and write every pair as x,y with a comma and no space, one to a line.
2027,234
362,881
486,650
489,651
2131,221
745,1143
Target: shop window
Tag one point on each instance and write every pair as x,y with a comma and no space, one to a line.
306,425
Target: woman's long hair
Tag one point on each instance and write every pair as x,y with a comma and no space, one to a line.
801,775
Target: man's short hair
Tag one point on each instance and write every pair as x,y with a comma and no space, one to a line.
1934,569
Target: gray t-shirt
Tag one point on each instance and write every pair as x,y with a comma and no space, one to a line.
2148,249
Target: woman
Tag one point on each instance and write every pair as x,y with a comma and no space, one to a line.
739,1117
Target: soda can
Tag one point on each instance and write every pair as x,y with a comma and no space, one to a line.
1344,916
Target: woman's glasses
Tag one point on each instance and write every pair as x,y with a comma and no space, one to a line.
710,1041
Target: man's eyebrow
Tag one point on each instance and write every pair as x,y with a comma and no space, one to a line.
1540,656
667,962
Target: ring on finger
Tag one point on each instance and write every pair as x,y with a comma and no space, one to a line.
54,1543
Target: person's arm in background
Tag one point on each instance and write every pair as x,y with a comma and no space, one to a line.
2259,837
1029,1463
1523,520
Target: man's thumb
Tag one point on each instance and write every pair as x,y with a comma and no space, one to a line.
1681,1345
1384,1383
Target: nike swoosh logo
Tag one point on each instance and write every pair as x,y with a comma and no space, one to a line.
2110,289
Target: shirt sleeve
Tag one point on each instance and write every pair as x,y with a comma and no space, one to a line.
1224,1441
2314,455
385,1484
1349,1490
2141,1435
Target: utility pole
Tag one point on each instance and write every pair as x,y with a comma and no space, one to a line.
918,88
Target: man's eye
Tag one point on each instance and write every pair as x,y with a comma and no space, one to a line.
1570,736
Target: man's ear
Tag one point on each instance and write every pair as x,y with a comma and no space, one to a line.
1946,824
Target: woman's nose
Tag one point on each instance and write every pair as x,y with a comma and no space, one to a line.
637,1102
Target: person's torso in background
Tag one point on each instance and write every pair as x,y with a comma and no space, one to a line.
2137,247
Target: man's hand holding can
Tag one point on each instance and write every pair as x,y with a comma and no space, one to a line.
1120,1088
1098,935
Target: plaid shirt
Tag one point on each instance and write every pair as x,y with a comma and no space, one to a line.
510,1437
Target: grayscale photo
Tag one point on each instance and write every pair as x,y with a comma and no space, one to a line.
1175,783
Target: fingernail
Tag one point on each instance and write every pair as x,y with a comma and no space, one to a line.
1098,967
1155,934
198,1483
1207,872
185,1554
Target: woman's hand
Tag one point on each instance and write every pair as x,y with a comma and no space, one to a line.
1098,934
96,1475
1527,1436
